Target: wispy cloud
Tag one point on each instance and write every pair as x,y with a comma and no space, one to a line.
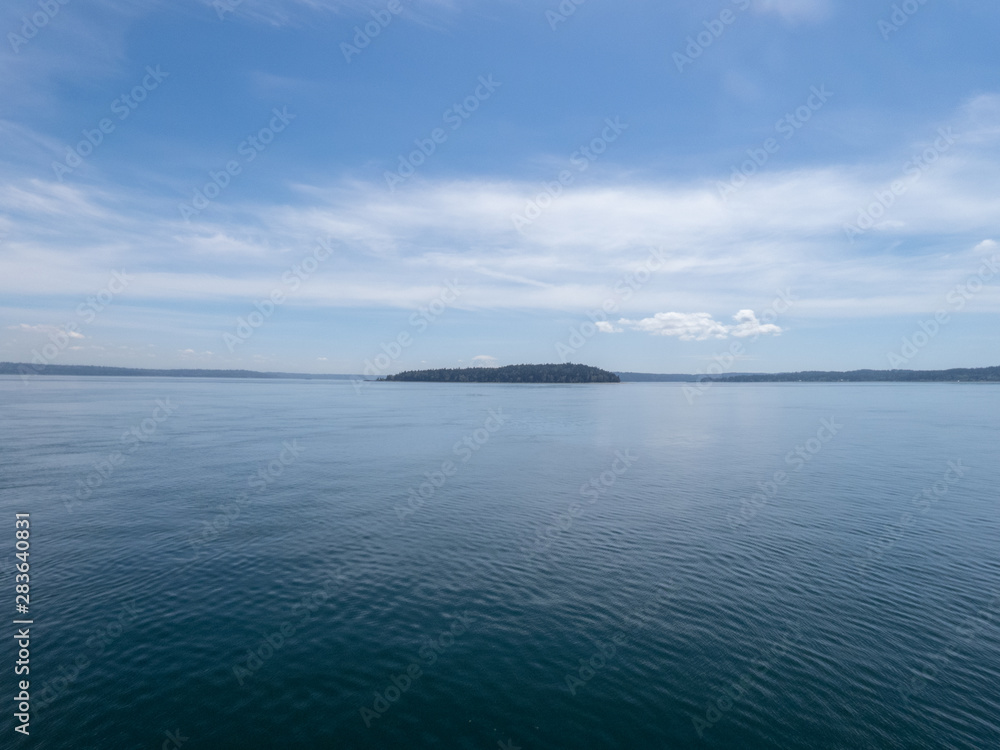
784,229
797,11
45,329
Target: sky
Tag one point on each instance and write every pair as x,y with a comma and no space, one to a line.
347,186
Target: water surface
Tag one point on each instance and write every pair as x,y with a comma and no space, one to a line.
252,564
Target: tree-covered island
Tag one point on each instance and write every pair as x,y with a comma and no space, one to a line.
566,373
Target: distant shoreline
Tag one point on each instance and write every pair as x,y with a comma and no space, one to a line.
954,375
27,370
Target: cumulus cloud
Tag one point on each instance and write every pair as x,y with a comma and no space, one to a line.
697,326
605,327
748,325
686,326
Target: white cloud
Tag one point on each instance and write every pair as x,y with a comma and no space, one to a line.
605,327
782,229
485,360
748,325
686,326
697,326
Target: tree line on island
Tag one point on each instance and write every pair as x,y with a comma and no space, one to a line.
564,373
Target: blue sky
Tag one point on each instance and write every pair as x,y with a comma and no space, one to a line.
634,185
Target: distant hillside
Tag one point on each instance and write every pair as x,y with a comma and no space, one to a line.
653,377
20,368
567,373
956,375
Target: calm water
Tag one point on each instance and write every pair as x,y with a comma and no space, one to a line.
593,570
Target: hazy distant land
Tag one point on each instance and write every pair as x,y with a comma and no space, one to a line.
955,375
539,374
22,368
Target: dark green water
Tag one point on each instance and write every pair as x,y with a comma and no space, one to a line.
598,567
